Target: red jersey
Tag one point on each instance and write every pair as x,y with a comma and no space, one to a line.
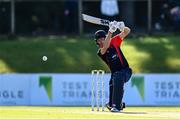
114,57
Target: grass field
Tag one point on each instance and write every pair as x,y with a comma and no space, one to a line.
14,112
73,54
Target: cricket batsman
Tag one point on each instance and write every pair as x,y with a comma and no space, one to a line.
110,52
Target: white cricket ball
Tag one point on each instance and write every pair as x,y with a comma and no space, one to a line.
44,58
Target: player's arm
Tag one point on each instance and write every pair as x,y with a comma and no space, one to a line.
125,32
106,42
112,29
124,29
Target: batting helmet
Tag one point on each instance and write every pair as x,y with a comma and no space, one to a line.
100,34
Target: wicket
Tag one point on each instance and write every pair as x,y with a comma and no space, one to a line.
97,77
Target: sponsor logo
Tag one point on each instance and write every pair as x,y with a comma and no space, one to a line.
167,89
10,94
104,21
138,82
46,82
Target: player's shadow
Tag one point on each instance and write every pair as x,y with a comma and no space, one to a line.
129,112
134,112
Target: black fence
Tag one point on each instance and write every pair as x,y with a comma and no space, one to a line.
39,17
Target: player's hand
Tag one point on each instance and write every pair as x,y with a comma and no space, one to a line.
121,25
113,26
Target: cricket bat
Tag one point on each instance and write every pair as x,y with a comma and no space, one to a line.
95,20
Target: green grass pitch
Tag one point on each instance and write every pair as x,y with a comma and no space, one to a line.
29,112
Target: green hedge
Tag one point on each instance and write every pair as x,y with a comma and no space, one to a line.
78,55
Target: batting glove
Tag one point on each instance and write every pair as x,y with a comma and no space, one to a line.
113,26
120,26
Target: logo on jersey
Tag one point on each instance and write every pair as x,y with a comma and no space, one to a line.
114,56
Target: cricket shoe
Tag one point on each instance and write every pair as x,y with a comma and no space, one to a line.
113,109
123,105
108,106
